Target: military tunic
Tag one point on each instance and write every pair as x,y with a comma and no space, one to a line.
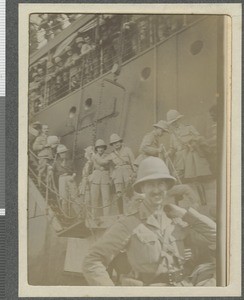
123,171
188,158
155,248
149,147
63,170
44,153
100,184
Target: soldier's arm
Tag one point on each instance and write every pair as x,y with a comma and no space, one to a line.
38,145
131,155
202,227
172,146
102,253
147,148
102,161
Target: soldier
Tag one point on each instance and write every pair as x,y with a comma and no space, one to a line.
188,158
72,63
186,150
150,144
122,159
84,187
63,170
100,180
165,244
43,151
35,130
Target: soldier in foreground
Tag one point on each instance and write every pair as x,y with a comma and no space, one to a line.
166,245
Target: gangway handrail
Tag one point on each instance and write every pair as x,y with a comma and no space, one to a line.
82,204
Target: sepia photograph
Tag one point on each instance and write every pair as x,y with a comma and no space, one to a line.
127,143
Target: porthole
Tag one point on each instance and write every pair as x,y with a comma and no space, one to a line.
72,112
88,103
196,47
145,73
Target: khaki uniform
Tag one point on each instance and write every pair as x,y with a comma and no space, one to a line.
100,184
149,147
123,171
63,170
155,249
188,158
45,154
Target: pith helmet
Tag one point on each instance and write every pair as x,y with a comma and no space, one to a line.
152,168
79,40
114,138
68,48
53,140
57,59
100,143
61,148
162,124
173,115
36,123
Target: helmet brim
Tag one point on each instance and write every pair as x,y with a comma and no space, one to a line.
62,151
164,129
137,184
115,142
172,121
105,147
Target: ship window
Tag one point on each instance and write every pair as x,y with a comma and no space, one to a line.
145,73
72,112
88,103
196,47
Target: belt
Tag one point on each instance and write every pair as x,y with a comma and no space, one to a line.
170,277
100,169
117,166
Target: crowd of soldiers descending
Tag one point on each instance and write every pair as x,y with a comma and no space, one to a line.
85,56
109,176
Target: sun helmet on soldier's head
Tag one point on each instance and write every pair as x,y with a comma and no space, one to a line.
53,140
114,138
68,48
100,143
152,168
61,148
79,40
57,59
162,124
173,115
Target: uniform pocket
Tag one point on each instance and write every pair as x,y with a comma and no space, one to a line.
146,247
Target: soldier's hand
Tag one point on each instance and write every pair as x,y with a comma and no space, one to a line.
180,190
173,211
